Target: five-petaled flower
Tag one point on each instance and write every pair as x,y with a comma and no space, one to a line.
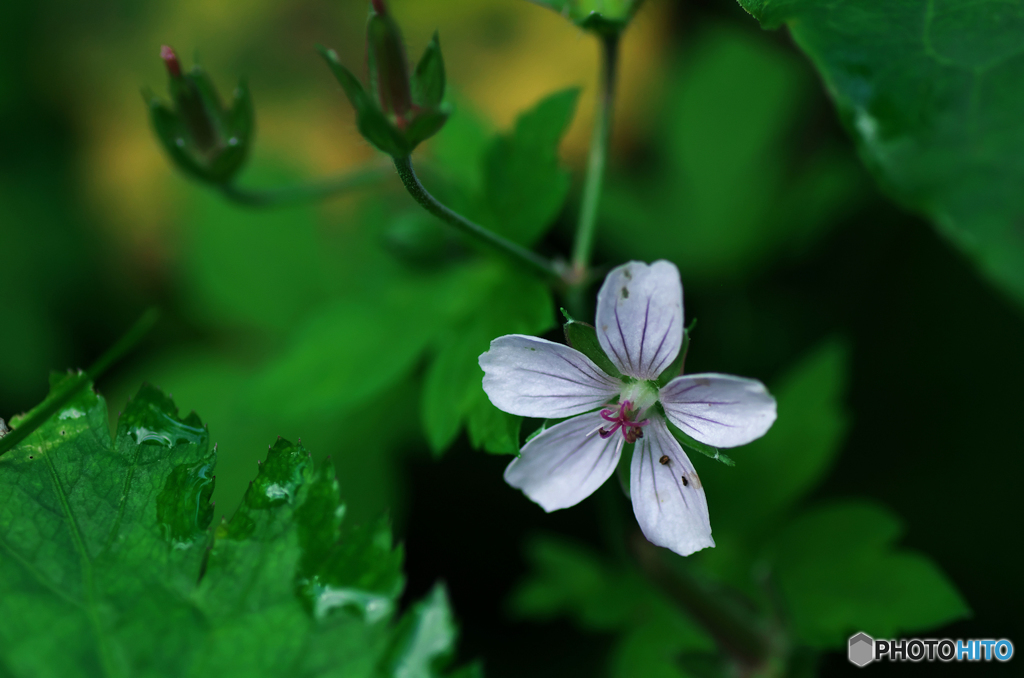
640,328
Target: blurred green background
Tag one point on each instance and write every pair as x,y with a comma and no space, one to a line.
321,321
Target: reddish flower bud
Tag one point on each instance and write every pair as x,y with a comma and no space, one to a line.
171,59
389,68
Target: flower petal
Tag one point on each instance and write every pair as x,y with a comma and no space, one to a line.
534,377
719,409
668,499
565,464
640,317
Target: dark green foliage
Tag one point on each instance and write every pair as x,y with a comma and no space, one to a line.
932,91
108,566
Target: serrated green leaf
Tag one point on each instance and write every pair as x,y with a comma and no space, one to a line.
583,337
525,163
423,640
931,91
428,80
109,569
510,302
840,573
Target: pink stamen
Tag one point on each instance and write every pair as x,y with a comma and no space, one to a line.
622,421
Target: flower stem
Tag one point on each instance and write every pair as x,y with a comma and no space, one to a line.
732,629
314,190
598,155
67,389
517,253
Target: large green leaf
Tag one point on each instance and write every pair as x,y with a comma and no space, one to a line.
932,90
839,573
107,565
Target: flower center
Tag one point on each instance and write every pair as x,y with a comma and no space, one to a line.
623,420
642,394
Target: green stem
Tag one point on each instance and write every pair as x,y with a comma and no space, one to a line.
598,156
732,629
314,190
67,389
517,253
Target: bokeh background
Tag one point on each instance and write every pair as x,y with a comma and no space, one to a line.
728,160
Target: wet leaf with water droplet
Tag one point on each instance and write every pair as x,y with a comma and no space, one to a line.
109,567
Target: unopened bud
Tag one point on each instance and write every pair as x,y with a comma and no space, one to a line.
201,136
171,59
389,68
398,112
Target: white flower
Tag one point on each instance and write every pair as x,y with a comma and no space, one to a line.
640,328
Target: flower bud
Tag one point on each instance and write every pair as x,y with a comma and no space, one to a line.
399,111
389,69
203,138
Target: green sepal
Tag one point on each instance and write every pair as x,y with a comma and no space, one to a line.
372,123
425,125
428,80
691,445
583,337
676,367
170,131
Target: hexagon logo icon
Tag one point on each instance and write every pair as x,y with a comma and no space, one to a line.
862,649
